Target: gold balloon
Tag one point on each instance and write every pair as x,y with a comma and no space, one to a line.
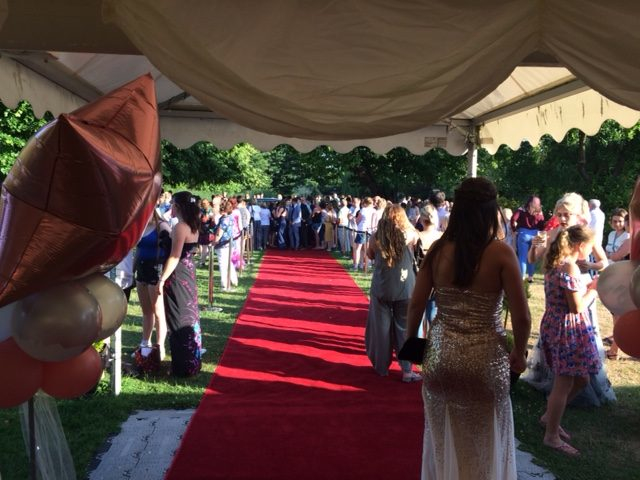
614,286
112,301
56,324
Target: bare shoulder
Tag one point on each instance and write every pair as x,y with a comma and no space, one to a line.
181,230
570,268
499,249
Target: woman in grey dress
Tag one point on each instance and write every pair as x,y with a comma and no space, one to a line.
391,287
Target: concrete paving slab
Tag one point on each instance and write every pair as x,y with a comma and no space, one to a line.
148,440
527,470
144,447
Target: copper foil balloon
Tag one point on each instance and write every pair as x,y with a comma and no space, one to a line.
56,324
80,193
112,301
614,286
626,333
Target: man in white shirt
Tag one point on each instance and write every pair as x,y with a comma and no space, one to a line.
295,222
343,227
254,210
598,219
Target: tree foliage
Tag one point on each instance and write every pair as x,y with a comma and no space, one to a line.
16,127
604,166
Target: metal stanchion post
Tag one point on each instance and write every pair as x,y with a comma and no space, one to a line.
229,246
211,307
116,364
33,464
241,266
249,249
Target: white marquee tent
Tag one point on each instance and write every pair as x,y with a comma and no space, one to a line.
417,73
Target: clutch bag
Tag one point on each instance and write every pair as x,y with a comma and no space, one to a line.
413,350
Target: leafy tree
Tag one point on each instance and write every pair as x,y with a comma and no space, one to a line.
239,169
16,127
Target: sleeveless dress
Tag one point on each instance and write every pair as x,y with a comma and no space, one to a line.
183,316
389,296
468,418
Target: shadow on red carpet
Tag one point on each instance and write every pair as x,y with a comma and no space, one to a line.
294,396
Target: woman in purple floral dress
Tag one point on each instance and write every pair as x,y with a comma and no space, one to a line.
567,337
178,284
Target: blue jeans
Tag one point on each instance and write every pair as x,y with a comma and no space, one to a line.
282,227
525,235
294,235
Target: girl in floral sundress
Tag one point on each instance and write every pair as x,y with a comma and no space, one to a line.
566,335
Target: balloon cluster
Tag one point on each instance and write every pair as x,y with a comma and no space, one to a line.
619,291
73,205
51,335
619,287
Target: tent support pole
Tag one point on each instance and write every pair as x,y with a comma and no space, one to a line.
472,157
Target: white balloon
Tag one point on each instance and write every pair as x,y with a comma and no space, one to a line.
5,320
614,286
112,301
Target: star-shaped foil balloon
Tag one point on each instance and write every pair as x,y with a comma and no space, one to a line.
81,192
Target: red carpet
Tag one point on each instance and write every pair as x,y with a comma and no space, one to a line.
294,396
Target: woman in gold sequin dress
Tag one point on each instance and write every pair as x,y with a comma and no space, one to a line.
468,418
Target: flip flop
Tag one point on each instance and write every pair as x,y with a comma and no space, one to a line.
411,377
565,449
562,433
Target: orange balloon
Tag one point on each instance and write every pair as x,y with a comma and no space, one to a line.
73,377
626,333
20,375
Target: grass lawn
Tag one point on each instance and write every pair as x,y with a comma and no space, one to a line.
89,421
608,437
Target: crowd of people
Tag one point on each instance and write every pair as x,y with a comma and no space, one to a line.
439,271
449,286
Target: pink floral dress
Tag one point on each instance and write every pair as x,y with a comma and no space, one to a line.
567,339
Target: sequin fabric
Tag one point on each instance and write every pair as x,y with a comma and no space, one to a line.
468,416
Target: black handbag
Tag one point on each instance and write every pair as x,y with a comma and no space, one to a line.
413,350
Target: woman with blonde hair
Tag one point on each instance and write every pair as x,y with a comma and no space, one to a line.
391,287
572,209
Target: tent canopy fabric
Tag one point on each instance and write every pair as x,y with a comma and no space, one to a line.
419,74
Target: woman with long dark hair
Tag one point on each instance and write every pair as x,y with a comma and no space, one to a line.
178,283
468,418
